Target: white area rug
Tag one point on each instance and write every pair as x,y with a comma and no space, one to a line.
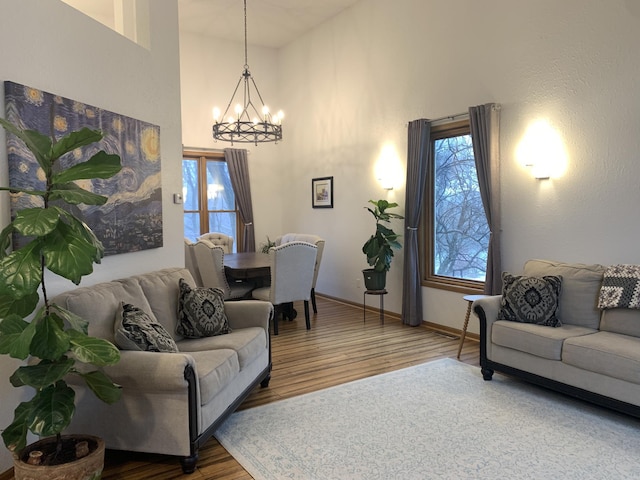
437,420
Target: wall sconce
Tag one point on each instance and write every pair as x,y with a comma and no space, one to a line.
386,183
542,149
388,168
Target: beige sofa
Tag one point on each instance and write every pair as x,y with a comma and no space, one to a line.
593,355
171,403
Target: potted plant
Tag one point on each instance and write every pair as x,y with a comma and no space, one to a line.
379,247
55,340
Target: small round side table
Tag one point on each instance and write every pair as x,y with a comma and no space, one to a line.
470,299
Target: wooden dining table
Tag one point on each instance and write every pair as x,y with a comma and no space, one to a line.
247,265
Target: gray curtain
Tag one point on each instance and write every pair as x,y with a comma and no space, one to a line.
239,174
418,152
484,121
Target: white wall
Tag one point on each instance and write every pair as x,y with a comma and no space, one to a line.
210,69
354,83
53,47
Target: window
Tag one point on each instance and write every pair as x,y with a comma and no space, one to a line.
454,225
209,200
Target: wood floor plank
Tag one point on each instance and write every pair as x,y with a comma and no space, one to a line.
339,348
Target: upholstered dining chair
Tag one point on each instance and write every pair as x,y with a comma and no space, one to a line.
190,261
309,238
292,266
219,239
210,262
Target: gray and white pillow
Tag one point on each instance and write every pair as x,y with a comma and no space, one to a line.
201,312
136,330
530,299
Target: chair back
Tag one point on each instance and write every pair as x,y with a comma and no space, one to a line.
190,261
210,260
292,269
308,238
220,240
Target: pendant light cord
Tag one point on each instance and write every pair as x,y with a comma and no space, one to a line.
246,61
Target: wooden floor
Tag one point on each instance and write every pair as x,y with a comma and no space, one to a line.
339,348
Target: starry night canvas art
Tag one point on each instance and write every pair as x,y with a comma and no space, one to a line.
131,219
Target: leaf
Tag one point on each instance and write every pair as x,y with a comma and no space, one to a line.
42,375
96,351
103,387
15,435
101,165
5,239
21,271
85,232
52,410
75,321
75,139
36,221
15,336
38,144
19,306
73,194
50,341
68,255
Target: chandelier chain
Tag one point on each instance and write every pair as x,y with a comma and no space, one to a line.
246,57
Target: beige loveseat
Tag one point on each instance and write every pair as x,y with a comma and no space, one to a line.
171,403
593,355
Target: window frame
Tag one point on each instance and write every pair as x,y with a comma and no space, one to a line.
202,157
427,220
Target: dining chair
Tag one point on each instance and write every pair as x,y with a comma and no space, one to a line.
210,261
292,266
190,261
309,238
219,239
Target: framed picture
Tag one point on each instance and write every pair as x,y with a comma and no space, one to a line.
322,192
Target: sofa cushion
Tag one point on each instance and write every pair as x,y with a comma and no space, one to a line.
606,353
162,291
136,330
201,312
580,288
216,369
620,287
535,339
530,299
621,320
248,343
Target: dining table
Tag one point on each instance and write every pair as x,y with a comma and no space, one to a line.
247,265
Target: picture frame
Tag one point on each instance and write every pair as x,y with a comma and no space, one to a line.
322,192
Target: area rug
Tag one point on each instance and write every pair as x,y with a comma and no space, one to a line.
438,420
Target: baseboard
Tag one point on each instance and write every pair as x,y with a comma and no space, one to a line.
396,316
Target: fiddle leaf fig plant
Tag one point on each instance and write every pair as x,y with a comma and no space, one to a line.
379,247
31,326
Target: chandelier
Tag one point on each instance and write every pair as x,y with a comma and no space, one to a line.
247,124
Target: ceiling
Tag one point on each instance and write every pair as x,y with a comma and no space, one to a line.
270,23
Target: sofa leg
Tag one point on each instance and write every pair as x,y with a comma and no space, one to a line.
265,381
487,373
189,463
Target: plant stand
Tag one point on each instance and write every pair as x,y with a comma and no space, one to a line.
381,294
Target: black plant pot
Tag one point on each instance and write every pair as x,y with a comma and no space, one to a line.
374,280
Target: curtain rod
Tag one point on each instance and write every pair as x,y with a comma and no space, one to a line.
204,149
449,117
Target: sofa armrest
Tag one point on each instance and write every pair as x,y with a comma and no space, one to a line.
248,313
151,371
486,309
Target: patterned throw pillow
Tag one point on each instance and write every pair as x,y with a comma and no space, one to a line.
136,330
201,312
530,299
620,287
